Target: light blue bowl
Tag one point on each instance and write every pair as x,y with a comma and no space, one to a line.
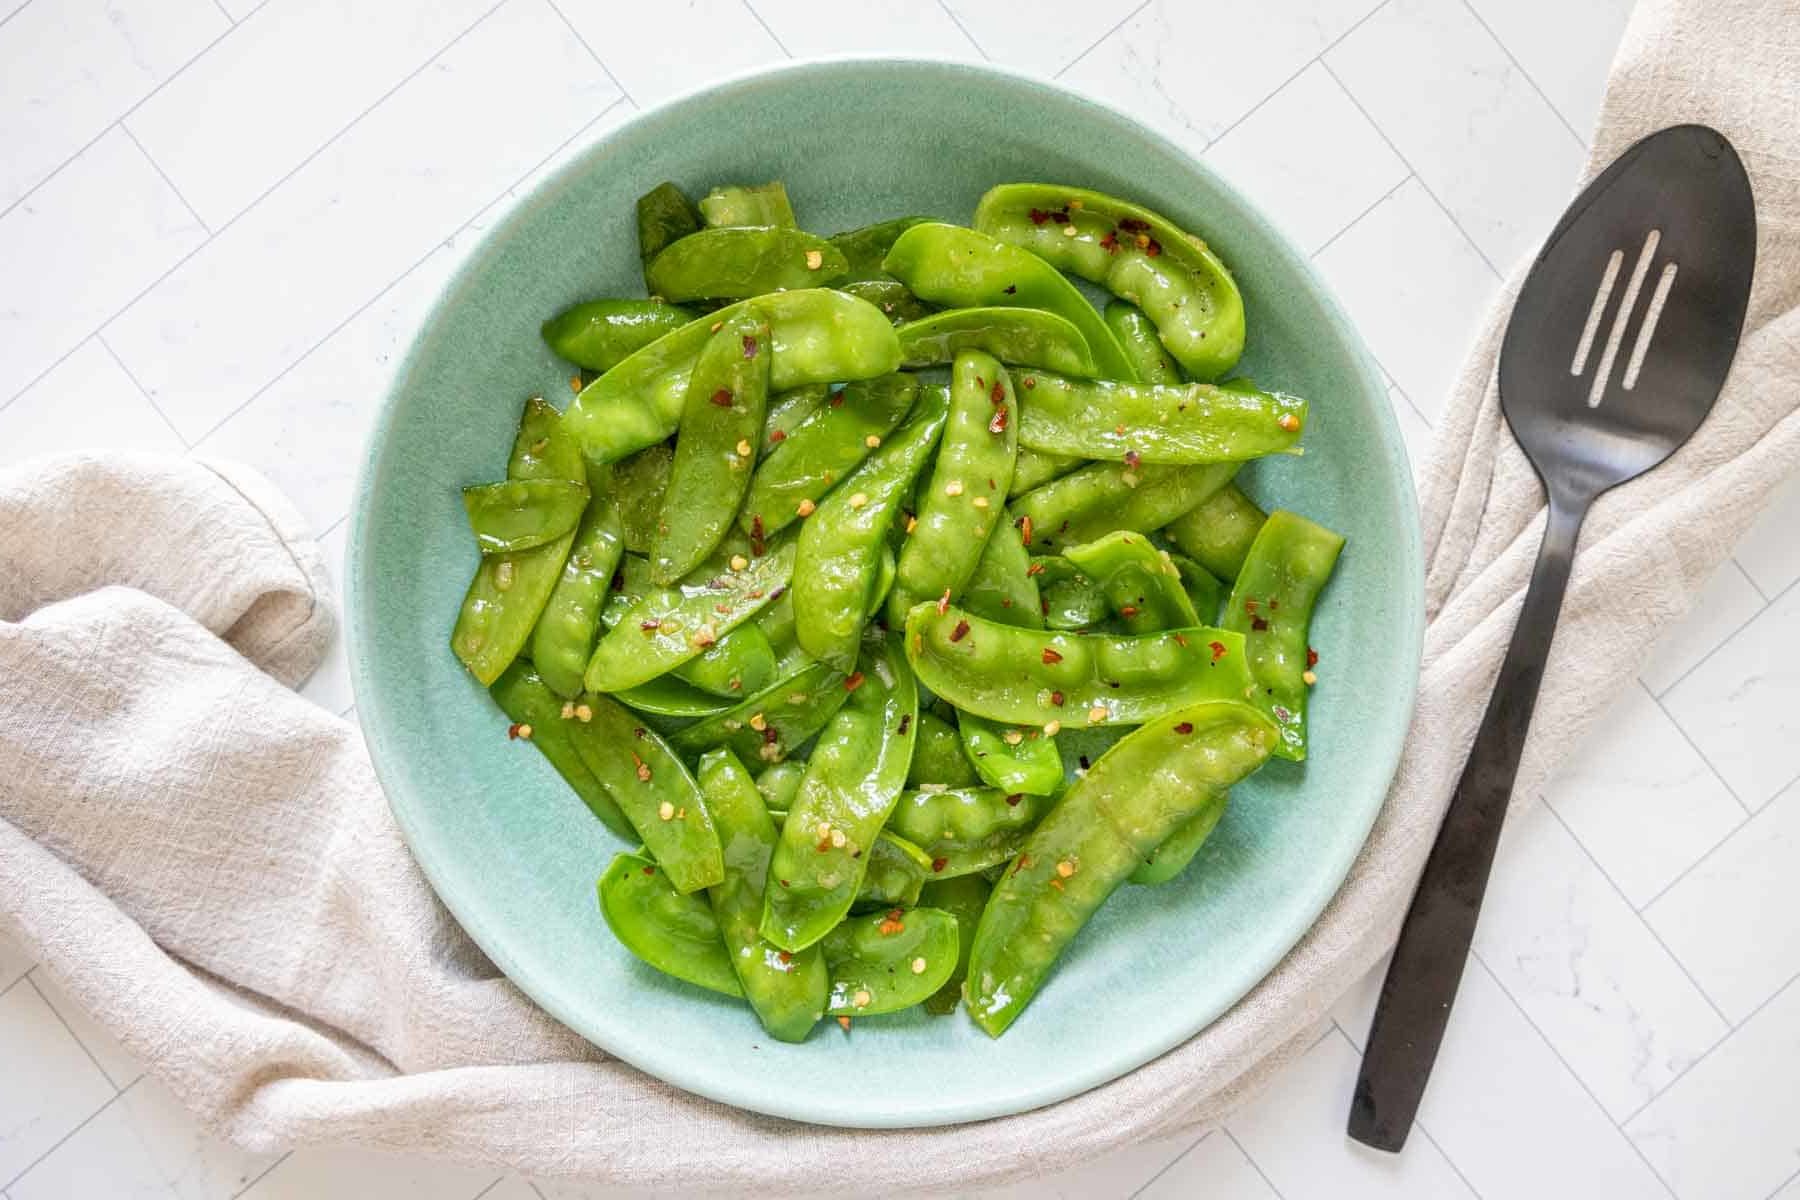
515,855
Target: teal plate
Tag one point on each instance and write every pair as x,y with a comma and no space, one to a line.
513,853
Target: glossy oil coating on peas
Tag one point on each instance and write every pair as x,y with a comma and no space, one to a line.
965,496
521,513
664,215
1142,584
1097,499
960,268
510,590
1271,604
525,700
823,449
864,248
897,868
767,726
742,661
1003,587
1153,781
639,483
1218,532
967,830
748,204
1205,591
938,756
1012,758
815,335
779,783
1033,677
1036,467
667,696
1027,337
740,262
1071,599
786,990
841,544
563,640
963,897
601,334
1178,849
676,933
884,962
1157,422
1136,254
786,411
1136,335
653,788
852,781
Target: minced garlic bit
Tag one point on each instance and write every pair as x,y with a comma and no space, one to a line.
1309,678
814,260
759,722
521,730
706,635
743,447
859,499
798,698
583,713
862,998
739,562
1069,230
1289,422
1012,737
1129,479
824,830
574,383
1097,714
503,575
872,441
716,326
806,508
769,752
918,966
953,488
1052,728
568,710
980,502
838,839
1065,868
666,811
912,523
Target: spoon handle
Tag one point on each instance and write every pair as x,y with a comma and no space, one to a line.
1428,961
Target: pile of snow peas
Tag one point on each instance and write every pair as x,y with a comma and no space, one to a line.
896,602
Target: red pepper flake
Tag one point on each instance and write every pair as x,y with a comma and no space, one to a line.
1025,529
938,864
943,604
649,626
845,1023
643,768
997,394
1110,244
1006,602
513,732
1249,604
905,724
1312,657
1051,657
1012,801
784,956
1218,650
1134,225
1038,216
757,544
1128,610
1282,714
722,398
1258,624
649,870
1083,760
779,435
837,398
1274,604
782,882
749,347
960,632
618,581
1185,728
1132,460
1030,382
824,846
855,681
1036,568
1012,289
1056,698
1181,640
771,735
1152,248
774,595
1056,882
998,424
892,923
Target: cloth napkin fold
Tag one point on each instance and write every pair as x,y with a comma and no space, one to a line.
205,862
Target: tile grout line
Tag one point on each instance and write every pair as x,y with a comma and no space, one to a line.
535,1190
100,339
592,53
1168,1166
1353,222
757,17
1782,1186
957,21
263,1174
1695,747
1442,207
1526,75
1095,44
1254,1165
1418,1124
70,1028
1413,404
1748,578
1695,865
1733,632
398,279
82,1124
226,13
15,12
1689,1069
497,1181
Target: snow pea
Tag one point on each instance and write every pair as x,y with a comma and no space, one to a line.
841,544
960,268
1002,588
967,830
564,637
1156,422
667,627
884,962
897,868
664,215
852,780
748,204
1142,583
668,697
779,783
892,297
525,699
1011,759
675,932
638,486
777,623
823,449
1028,337
766,727
1136,335
745,261
1205,591
1101,497
816,336
786,411
521,513
1271,605
966,495
1150,783
714,450
863,249
601,334
1035,467
1137,255
1178,849
1217,533
1071,599
963,897
741,661
652,788
938,757
508,591
787,991
1028,677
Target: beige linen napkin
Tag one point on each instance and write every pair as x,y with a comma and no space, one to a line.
204,860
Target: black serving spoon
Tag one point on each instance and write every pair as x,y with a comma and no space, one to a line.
1616,351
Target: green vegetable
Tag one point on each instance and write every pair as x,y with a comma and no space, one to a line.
740,662
963,897
1205,591
1136,335
676,933
1217,533
1156,422
780,783
601,334
521,513
664,215
1003,588
767,726
566,631
938,756
786,411
967,830
525,700
823,449
1141,583
748,204
1027,337
1097,499
1178,849
1036,467
863,249
737,263
638,486
1071,599
1011,759
892,297
882,963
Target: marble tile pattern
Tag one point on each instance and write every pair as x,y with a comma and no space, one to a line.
1629,1025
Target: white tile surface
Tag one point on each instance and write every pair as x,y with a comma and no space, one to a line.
1724,604
865,27
1641,801
70,68
1046,37
85,402
1558,44
339,1171
1215,1168
1770,550
114,1061
1466,120
652,49
14,962
51,1086
329,686
78,249
1413,429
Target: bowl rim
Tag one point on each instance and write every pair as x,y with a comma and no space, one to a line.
672,1067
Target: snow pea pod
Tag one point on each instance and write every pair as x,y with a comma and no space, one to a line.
766,727
1016,761
1035,467
786,411
960,268
675,932
521,513
841,544
638,486
1178,849
823,449
508,591
1136,334
1028,677
787,991
1156,422
897,868
1271,605
1142,583
664,215
1218,532
653,789
741,661
668,627
715,448
963,897
667,696
884,962
969,829
1205,591
779,783
1071,599
601,334
938,756
892,297
777,624
1134,253
1002,588
864,248
1027,337
816,336
525,699
966,495
1097,499
852,781
745,261
564,637
1150,783
748,204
